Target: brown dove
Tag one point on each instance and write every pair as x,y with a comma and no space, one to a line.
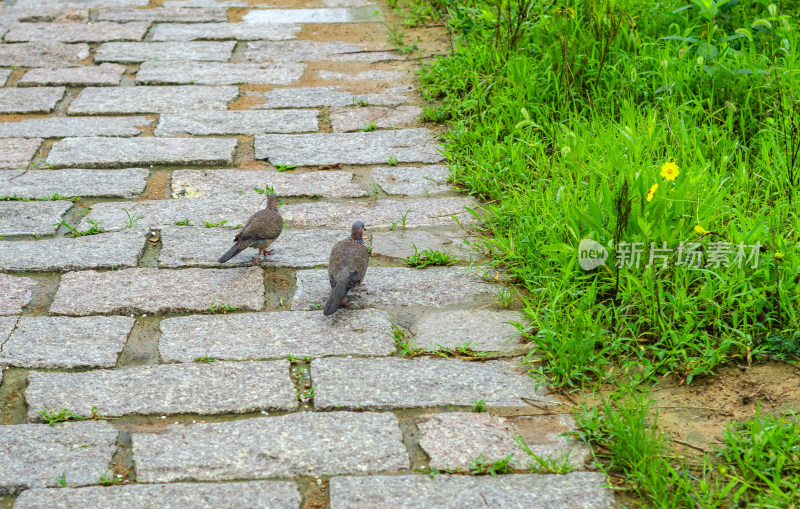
260,231
346,267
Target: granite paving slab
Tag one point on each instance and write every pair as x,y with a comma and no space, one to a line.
275,335
31,217
313,97
145,290
103,75
15,294
105,100
237,122
197,246
124,183
29,100
227,387
395,286
61,342
77,32
377,147
34,54
453,440
524,491
234,210
385,383
356,119
224,31
7,324
376,75
315,51
17,153
36,455
217,73
300,444
204,3
488,331
333,184
165,14
402,243
4,74
112,250
63,127
411,180
85,4
272,494
141,51
119,152
367,14
381,213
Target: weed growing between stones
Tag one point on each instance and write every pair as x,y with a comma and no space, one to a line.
544,465
429,257
480,406
220,308
97,227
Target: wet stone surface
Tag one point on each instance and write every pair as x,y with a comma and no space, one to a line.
115,250
313,51
452,440
377,147
227,387
102,75
390,286
141,51
568,491
274,335
35,455
273,494
411,180
103,100
335,184
62,127
116,152
391,382
355,119
143,290
237,122
31,217
61,342
17,153
29,100
311,97
186,246
308,443
123,183
35,54
218,73
15,294
488,331
223,31
76,32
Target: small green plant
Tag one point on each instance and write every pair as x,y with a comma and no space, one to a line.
185,222
211,224
374,193
544,464
428,257
220,308
360,102
406,347
131,218
109,479
54,417
307,395
266,190
61,480
371,126
74,232
434,114
291,358
284,167
479,406
393,160
481,466
314,306
205,359
53,197
505,295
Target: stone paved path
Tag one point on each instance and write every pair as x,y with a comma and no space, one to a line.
164,122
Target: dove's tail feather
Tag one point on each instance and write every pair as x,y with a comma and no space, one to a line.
237,248
338,293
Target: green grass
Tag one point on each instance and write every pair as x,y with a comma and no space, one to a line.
52,418
429,257
220,308
94,229
563,122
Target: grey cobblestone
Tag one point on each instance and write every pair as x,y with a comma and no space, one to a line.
367,14
218,73
355,119
62,127
223,31
113,250
312,97
15,294
334,184
31,217
17,153
118,152
313,51
238,122
77,32
33,54
102,75
165,14
410,180
141,51
29,100
105,100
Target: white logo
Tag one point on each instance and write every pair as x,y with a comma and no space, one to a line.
591,254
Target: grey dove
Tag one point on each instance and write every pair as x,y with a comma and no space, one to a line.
346,267
260,231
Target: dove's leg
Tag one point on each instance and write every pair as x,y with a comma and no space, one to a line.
269,251
344,304
258,257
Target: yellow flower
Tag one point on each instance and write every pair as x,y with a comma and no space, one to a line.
670,170
778,255
651,192
567,12
700,230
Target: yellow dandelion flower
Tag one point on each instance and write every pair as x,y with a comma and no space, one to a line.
651,192
700,230
778,256
670,170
